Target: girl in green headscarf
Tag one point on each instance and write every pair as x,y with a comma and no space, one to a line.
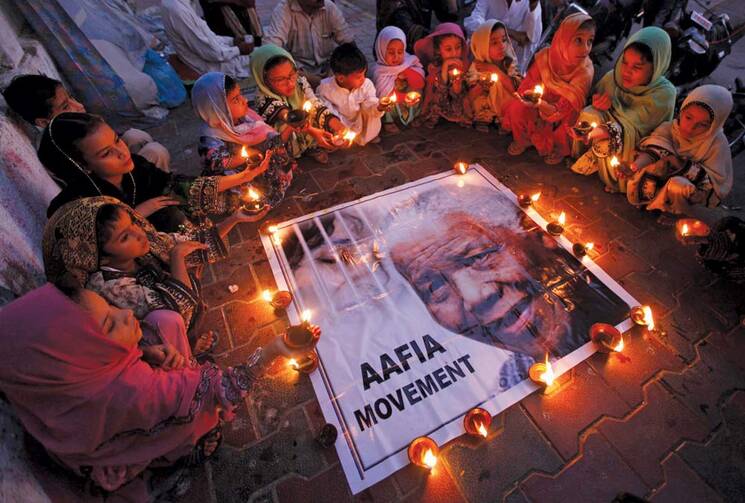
629,103
282,89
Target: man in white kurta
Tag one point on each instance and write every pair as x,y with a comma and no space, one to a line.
357,109
198,46
521,17
309,30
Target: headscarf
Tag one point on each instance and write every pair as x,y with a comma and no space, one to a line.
558,74
89,400
641,109
259,58
70,246
209,99
384,76
711,148
502,94
425,47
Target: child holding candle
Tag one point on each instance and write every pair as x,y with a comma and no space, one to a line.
229,126
493,76
564,70
445,96
351,95
282,89
686,162
396,73
630,101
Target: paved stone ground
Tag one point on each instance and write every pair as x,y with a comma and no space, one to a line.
664,421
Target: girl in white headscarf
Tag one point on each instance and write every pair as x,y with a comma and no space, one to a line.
687,161
399,72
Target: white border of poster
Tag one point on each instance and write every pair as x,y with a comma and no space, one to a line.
359,478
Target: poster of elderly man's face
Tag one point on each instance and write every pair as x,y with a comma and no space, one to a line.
434,298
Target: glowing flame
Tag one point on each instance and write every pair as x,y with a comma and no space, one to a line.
429,459
244,152
253,194
272,229
589,246
393,98
482,430
277,239
538,89
562,218
619,346
684,230
292,363
349,136
535,197
614,161
548,376
593,125
494,77
455,72
266,295
307,106
305,316
413,96
462,167
648,318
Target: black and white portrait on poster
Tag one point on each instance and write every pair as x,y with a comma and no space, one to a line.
434,297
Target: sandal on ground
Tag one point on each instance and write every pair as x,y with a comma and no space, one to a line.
516,149
210,348
199,455
553,159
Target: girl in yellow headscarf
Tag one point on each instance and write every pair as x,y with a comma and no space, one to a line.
493,76
564,71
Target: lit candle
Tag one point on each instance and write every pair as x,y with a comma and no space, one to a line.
648,318
606,337
525,200
538,89
455,72
477,421
556,228
534,95
412,98
460,167
267,295
542,373
494,78
423,452
244,152
580,250
252,201
306,364
279,300
387,101
301,336
684,230
350,136
272,229
692,231
307,106
614,162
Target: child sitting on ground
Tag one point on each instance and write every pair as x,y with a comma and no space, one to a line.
38,99
351,95
493,76
445,57
229,126
397,72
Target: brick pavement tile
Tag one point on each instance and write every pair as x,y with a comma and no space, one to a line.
616,260
392,177
602,228
486,472
715,374
214,320
343,171
437,486
721,460
219,293
724,299
237,474
563,415
380,163
646,288
245,319
646,437
643,357
200,490
274,395
327,486
682,484
239,258
264,275
382,492
516,496
599,474
239,432
341,193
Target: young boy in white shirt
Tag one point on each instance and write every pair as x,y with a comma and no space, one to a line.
351,95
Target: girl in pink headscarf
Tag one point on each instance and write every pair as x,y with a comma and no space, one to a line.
565,71
73,373
445,55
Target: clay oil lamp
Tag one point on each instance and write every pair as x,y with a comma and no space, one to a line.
412,98
525,200
423,451
252,202
607,338
476,422
581,250
460,168
279,300
691,231
556,228
542,373
534,95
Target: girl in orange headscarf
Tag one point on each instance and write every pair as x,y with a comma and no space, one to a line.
565,72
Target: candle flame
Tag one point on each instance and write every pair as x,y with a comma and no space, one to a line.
429,459
394,98
413,95
307,106
538,89
305,316
535,197
614,161
619,346
593,125
589,246
455,72
349,136
244,152
462,167
253,194
648,318
272,229
292,363
482,430
494,77
562,218
684,230
266,295
548,376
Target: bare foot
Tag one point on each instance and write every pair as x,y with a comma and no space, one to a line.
204,342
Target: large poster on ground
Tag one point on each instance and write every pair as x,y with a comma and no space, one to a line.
434,297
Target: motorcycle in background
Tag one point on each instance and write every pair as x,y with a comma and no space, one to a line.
734,126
